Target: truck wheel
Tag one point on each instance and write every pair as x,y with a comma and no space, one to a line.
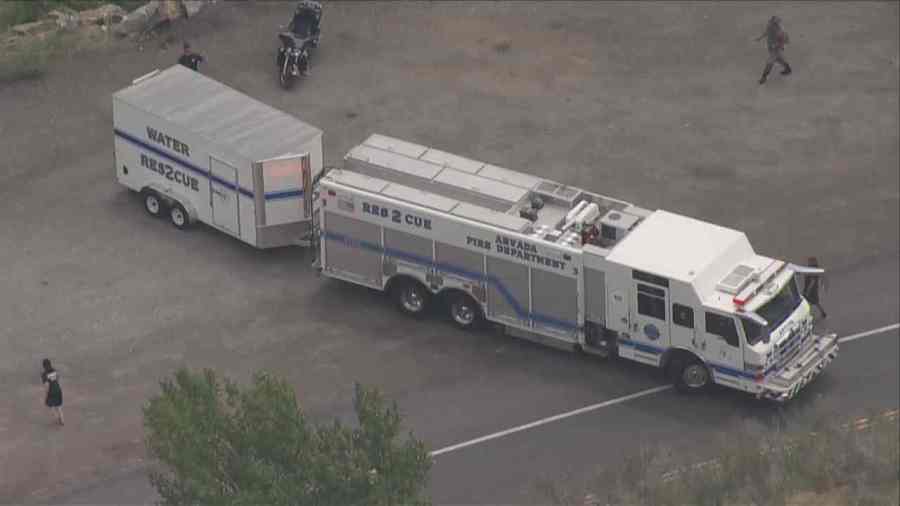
179,216
411,297
464,311
689,374
153,204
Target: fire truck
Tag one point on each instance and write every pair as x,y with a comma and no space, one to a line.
567,267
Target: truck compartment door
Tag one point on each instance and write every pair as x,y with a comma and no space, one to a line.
650,324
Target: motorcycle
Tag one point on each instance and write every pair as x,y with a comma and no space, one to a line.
293,58
296,45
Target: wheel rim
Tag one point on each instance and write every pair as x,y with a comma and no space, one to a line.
152,204
177,217
412,300
695,376
463,313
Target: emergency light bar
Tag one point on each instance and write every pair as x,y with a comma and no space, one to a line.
741,299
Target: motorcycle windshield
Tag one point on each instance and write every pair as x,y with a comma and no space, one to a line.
303,26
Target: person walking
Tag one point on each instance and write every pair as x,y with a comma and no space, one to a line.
190,59
776,38
54,399
811,284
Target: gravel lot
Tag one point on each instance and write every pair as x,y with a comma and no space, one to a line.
656,103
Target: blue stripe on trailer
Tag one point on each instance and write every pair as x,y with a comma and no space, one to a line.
284,194
457,271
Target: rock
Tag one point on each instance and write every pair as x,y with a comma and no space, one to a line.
66,19
35,28
192,7
139,19
108,14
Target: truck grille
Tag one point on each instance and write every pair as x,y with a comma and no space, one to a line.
791,347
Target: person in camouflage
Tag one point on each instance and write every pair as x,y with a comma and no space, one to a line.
776,38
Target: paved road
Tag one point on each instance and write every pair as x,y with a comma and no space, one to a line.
618,98
508,470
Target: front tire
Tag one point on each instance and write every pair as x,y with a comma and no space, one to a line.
410,297
286,77
689,375
153,203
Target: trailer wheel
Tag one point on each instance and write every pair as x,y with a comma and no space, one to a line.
179,216
464,311
410,296
689,374
153,204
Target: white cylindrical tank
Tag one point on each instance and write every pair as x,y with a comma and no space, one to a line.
588,214
575,210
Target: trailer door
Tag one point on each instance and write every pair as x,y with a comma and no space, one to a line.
223,195
285,189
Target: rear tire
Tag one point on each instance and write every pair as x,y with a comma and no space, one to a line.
689,374
153,203
463,311
179,216
410,297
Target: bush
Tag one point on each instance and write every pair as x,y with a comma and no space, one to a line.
831,464
219,443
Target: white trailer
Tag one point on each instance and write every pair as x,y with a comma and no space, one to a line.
198,150
567,267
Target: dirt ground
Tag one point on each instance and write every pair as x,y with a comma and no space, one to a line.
656,103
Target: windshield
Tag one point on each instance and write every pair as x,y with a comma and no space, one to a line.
754,332
303,24
782,305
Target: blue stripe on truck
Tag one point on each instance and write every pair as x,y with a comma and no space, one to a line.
284,194
458,271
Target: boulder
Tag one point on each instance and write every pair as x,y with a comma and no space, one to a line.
192,7
108,14
66,19
35,28
140,19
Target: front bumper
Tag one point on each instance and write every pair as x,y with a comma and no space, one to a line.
784,385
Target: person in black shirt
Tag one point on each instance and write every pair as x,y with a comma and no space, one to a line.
190,59
811,287
54,399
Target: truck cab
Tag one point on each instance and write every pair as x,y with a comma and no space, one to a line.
696,300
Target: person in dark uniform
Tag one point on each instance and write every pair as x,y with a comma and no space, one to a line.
811,287
54,399
190,59
776,38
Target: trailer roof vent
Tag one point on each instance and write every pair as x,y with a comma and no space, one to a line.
736,279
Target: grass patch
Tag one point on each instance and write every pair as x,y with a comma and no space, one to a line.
829,464
28,61
15,12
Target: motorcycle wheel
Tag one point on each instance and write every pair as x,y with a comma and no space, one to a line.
285,77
